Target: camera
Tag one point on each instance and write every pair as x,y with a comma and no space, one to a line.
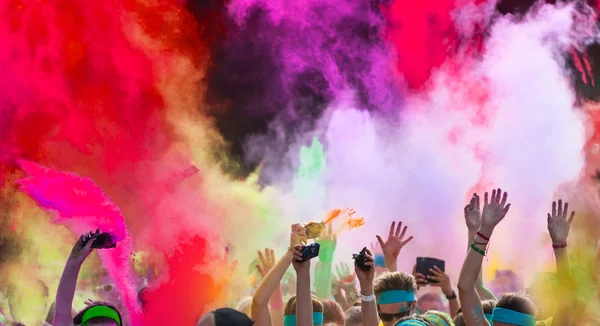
360,259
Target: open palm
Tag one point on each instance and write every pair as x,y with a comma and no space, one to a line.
395,241
494,209
558,224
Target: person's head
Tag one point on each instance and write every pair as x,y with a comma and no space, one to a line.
488,307
99,315
332,313
225,317
395,293
514,309
506,281
429,301
438,318
354,316
289,311
543,293
413,320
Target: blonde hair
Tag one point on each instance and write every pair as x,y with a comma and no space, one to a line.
290,306
394,281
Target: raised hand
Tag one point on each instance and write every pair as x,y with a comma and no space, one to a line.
328,243
473,213
267,261
494,209
366,277
299,265
345,279
395,241
558,224
298,235
83,247
442,279
420,278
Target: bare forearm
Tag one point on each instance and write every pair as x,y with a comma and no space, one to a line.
276,304
368,309
391,264
566,300
484,293
272,280
65,294
341,300
303,300
471,269
323,279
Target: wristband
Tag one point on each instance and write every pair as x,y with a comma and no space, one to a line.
452,296
477,250
367,298
559,246
483,236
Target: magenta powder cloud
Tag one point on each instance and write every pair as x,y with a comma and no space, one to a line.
82,206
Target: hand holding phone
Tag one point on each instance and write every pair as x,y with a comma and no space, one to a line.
309,252
103,240
361,260
424,264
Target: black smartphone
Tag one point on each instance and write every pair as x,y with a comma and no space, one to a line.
360,259
426,263
311,251
104,241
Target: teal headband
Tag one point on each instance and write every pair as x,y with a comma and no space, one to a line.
412,322
290,320
512,317
395,296
436,320
100,311
489,318
379,260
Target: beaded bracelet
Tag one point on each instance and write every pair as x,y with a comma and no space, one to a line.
477,250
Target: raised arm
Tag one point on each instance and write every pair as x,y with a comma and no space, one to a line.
323,273
558,227
304,308
494,211
267,261
68,280
473,222
443,281
272,280
393,245
368,303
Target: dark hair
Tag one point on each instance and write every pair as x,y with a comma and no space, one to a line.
77,320
354,315
517,302
332,312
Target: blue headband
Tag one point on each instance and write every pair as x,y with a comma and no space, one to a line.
437,320
489,318
395,296
290,320
412,322
512,317
379,260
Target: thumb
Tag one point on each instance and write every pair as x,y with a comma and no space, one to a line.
380,241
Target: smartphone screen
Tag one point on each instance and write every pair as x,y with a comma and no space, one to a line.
426,263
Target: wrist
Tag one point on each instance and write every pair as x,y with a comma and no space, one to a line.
448,292
486,230
366,289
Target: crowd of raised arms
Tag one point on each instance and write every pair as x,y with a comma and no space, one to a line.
382,296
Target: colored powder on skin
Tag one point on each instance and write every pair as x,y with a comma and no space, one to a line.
82,206
313,164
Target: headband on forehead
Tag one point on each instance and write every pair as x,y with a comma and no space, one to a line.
488,317
508,316
100,311
412,322
396,296
436,320
290,320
